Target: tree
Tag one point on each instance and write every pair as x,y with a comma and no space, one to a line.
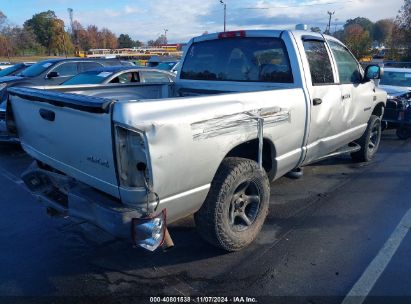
125,41
81,35
60,42
162,40
137,43
402,29
316,29
383,30
365,23
357,40
92,36
107,39
4,46
339,35
42,26
151,43
22,41
3,19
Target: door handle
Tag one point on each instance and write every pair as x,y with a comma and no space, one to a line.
346,96
47,114
317,101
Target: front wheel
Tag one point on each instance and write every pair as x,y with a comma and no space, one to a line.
236,205
369,141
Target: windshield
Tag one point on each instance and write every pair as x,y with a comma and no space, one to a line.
252,59
400,79
90,77
37,68
10,70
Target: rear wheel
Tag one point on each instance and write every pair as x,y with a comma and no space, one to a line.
369,141
236,206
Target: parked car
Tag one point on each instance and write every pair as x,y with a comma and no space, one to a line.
167,66
246,108
175,68
397,64
127,63
120,74
46,73
5,65
162,62
15,69
397,83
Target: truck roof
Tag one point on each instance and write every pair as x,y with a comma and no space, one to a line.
258,33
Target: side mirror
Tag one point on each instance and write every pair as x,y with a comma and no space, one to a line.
373,72
52,75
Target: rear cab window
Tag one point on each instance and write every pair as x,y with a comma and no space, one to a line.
241,59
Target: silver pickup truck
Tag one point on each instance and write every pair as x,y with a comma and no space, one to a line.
247,107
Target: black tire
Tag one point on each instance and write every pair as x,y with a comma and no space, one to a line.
403,132
369,141
238,189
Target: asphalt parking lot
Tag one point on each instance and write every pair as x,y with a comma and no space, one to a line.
342,229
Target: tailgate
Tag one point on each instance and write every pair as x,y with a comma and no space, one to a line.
71,133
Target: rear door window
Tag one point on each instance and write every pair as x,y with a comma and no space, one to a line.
319,62
248,59
88,66
127,77
153,76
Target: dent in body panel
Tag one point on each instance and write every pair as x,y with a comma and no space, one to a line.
239,122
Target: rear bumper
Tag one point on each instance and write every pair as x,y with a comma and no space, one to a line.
78,200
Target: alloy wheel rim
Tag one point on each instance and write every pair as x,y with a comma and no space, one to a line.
244,206
374,137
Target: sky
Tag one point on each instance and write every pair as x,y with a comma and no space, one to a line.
147,19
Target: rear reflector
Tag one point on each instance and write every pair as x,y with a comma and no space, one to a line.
233,34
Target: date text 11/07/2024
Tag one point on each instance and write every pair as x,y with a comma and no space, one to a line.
203,299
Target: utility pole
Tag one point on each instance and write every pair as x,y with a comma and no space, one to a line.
328,31
165,36
225,13
73,32
335,25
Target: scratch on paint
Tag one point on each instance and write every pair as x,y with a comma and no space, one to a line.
238,122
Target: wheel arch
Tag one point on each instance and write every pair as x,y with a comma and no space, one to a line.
249,150
379,109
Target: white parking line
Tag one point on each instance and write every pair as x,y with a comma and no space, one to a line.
364,285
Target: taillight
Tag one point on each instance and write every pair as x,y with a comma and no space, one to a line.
132,162
233,34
